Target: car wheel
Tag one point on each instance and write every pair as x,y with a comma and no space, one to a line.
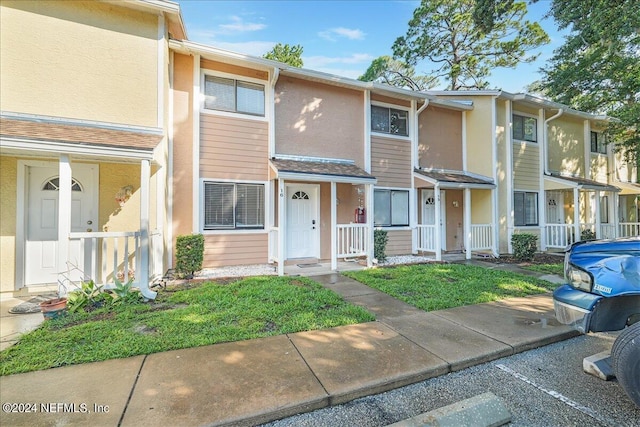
625,355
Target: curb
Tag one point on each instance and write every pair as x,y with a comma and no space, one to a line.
484,410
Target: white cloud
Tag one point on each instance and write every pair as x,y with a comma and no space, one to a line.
238,25
333,34
253,48
317,62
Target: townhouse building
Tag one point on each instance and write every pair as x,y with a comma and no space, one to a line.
109,150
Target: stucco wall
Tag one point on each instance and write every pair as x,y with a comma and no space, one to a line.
8,174
312,119
599,167
566,146
100,59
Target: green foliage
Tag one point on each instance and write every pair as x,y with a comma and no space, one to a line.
396,73
124,293
524,246
441,286
597,69
286,53
444,33
587,234
380,239
189,254
557,268
182,318
87,295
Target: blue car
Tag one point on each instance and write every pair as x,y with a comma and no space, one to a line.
603,294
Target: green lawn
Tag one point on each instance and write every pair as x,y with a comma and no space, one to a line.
557,268
207,314
440,286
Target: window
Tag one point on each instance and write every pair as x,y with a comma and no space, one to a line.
525,208
389,120
391,208
597,143
233,95
54,185
233,206
525,128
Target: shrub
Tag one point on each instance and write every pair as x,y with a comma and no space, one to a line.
587,235
189,254
380,239
524,246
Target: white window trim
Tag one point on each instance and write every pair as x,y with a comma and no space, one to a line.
389,135
520,141
263,83
515,190
267,197
393,227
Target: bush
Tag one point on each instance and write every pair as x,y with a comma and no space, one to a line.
587,235
189,254
524,246
380,239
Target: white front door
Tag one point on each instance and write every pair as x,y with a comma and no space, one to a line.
303,221
555,207
429,213
41,234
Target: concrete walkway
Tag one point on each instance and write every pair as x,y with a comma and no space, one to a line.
255,381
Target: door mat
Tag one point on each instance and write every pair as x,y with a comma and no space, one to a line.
31,306
315,264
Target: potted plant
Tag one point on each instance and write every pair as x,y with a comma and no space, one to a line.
53,308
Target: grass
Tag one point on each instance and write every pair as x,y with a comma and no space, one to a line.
441,286
207,314
556,268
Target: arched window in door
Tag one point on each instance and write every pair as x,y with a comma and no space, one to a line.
53,184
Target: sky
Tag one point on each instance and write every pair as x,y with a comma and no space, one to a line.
338,37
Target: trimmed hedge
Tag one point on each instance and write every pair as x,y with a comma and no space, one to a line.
189,254
380,239
524,246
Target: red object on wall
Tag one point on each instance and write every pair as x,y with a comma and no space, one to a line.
360,216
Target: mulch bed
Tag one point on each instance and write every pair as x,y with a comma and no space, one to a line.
537,259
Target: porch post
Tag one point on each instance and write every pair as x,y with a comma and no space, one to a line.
494,220
542,214
334,226
598,216
438,248
467,222
142,269
282,225
369,211
576,214
64,213
616,215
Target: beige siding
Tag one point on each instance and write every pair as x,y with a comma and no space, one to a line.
233,69
440,139
503,194
391,162
481,206
312,119
233,148
625,171
479,143
526,166
566,146
399,242
529,230
599,167
234,249
101,58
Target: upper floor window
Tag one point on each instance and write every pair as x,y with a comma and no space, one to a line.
391,208
233,206
236,96
525,128
597,143
389,120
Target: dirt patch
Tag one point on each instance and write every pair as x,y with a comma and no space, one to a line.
144,329
270,327
537,259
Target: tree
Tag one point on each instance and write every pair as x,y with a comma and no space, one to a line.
396,73
286,53
445,33
598,67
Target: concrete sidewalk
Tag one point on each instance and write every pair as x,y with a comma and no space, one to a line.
255,381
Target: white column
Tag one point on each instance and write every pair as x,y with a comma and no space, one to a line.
438,220
196,146
369,211
142,270
282,226
334,226
494,220
598,216
616,215
576,213
64,213
467,222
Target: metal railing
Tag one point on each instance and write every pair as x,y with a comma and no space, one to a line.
352,240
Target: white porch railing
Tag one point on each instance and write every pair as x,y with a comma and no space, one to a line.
607,231
559,235
156,255
273,244
629,229
107,256
352,240
481,237
426,237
